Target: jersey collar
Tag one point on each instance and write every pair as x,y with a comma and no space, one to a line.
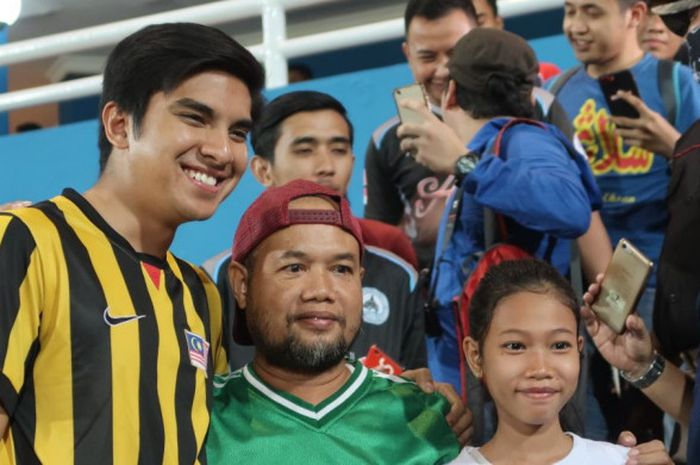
304,409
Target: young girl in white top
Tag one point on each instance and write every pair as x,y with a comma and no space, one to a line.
525,347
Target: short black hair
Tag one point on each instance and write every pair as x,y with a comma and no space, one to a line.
160,57
302,69
436,9
266,130
493,4
506,95
511,277
626,4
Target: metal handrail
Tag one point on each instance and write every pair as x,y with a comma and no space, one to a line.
109,34
275,49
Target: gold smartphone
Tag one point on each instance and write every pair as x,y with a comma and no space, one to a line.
412,92
624,281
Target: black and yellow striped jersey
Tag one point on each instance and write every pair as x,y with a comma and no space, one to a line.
107,355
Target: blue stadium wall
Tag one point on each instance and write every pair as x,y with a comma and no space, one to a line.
37,165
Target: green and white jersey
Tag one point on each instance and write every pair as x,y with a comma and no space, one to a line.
373,419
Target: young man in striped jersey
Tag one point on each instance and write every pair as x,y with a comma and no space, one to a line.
297,277
108,342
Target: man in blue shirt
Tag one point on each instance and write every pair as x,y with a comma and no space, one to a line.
629,157
545,193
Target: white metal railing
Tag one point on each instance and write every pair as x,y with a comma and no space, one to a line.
274,51
109,34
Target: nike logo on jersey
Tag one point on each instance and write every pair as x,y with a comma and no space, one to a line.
119,320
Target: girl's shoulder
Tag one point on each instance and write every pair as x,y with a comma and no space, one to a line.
588,451
584,452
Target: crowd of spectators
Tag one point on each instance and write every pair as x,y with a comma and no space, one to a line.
289,346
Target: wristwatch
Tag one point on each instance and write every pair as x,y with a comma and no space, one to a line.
465,165
656,368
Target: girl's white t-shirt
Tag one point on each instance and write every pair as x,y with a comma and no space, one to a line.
584,451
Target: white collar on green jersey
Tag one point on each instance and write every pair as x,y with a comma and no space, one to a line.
358,375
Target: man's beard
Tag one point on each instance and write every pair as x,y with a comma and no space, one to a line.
294,355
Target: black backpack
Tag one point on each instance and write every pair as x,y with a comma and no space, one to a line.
676,317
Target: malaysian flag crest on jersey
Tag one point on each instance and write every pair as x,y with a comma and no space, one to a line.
198,348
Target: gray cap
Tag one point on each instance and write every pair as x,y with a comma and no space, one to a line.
486,53
672,8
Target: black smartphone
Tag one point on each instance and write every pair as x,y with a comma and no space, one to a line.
610,84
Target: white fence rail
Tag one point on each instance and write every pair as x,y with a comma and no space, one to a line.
274,51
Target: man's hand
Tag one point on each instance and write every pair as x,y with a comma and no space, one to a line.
648,453
631,351
15,204
432,143
650,131
459,417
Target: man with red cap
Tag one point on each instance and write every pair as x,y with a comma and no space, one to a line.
296,276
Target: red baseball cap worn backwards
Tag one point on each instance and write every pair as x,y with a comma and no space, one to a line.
270,213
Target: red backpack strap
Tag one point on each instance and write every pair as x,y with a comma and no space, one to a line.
496,146
460,303
685,151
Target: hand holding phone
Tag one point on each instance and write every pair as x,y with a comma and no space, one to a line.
623,283
610,84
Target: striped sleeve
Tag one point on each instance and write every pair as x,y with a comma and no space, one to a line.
20,307
216,322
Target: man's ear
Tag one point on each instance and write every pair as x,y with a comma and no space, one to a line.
473,355
238,280
637,13
449,98
117,125
262,170
405,49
